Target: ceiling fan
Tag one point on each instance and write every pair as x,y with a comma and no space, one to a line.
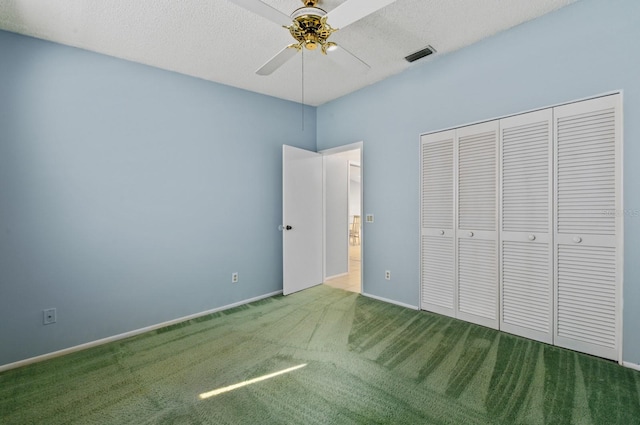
311,27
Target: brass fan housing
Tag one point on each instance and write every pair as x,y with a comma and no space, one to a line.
310,27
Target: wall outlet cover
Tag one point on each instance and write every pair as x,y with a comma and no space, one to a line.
49,316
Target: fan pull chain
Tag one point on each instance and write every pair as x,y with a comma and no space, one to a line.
302,51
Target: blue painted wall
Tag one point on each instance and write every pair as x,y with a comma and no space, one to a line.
582,50
128,195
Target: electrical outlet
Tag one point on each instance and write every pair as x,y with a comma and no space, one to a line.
234,277
49,316
387,274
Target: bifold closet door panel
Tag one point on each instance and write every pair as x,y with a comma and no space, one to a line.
588,230
437,221
526,252
476,235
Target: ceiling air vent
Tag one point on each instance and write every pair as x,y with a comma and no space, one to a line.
420,54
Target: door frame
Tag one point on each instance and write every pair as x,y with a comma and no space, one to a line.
359,146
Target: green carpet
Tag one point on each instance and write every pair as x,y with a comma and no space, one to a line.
367,362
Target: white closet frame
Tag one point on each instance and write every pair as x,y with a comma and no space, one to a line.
613,351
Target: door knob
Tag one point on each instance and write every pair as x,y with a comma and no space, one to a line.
532,237
441,232
577,239
287,227
470,234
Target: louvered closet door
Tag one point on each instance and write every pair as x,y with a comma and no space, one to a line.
526,252
476,236
437,219
588,233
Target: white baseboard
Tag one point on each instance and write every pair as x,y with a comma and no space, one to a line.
129,334
631,365
336,275
386,300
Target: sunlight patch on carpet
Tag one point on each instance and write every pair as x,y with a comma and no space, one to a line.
226,389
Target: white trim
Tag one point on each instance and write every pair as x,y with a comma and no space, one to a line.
620,225
129,334
605,94
630,365
324,219
387,300
343,148
336,275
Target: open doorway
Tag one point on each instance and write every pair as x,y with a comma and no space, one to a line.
343,211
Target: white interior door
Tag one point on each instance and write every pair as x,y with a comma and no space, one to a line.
302,211
477,227
588,233
437,217
526,253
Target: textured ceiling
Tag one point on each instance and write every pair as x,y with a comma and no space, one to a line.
219,41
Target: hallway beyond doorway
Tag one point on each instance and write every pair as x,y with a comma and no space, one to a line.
351,280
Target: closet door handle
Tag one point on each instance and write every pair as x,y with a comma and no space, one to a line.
577,239
532,237
470,234
441,232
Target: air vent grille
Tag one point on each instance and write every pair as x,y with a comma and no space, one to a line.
420,54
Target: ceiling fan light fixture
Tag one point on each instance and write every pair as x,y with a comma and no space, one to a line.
309,27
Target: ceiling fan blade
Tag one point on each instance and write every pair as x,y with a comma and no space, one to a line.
264,10
278,60
347,59
354,10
